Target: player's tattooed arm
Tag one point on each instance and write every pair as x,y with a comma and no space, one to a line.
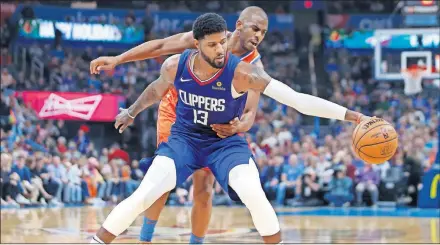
157,89
250,110
243,124
249,76
252,77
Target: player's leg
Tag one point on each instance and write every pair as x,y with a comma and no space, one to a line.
231,163
151,216
160,178
201,211
244,180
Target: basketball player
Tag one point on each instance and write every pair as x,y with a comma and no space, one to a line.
212,86
251,28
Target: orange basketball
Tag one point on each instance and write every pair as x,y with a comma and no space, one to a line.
375,141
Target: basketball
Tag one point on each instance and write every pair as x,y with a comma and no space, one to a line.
375,141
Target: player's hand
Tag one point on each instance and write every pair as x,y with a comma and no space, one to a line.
123,120
103,63
365,118
226,130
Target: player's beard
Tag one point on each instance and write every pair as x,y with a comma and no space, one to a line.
212,62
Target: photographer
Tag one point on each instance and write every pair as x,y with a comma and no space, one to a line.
308,190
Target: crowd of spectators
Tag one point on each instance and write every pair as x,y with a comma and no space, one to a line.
44,164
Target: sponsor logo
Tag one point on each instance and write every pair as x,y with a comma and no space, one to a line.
434,186
384,132
218,86
371,122
184,80
82,108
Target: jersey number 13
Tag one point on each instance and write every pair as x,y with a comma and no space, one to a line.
200,117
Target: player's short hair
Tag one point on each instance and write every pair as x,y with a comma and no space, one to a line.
207,24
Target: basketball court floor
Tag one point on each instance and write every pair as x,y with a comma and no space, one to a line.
230,225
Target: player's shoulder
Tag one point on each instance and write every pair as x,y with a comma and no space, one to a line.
243,69
172,61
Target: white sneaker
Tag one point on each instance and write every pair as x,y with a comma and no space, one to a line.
14,204
22,200
43,202
56,203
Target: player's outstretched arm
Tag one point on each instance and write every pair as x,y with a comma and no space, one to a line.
175,44
152,94
252,77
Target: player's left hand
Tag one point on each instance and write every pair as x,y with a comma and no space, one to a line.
226,130
123,120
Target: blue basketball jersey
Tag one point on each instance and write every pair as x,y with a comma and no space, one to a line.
202,103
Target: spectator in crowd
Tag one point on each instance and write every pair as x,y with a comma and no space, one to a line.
349,166
58,173
340,189
82,140
72,189
308,190
27,188
272,175
50,186
8,184
289,176
36,180
367,180
393,184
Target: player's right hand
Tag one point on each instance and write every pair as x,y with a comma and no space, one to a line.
103,63
123,120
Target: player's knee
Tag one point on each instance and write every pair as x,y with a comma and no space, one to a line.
203,198
163,172
160,178
248,189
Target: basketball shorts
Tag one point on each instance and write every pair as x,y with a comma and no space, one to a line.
219,155
164,125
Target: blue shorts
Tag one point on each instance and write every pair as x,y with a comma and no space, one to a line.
219,155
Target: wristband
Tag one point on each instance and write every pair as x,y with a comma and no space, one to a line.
128,113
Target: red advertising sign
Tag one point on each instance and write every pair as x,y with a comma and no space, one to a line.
73,106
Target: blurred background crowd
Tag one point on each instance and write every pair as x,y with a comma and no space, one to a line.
303,161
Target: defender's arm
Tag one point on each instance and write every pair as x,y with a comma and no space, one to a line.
252,77
171,45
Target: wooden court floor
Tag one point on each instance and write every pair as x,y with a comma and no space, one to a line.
228,225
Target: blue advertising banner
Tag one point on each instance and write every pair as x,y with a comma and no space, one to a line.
364,21
366,40
73,31
429,195
163,21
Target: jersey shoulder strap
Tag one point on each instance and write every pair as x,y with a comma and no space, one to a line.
251,57
182,62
